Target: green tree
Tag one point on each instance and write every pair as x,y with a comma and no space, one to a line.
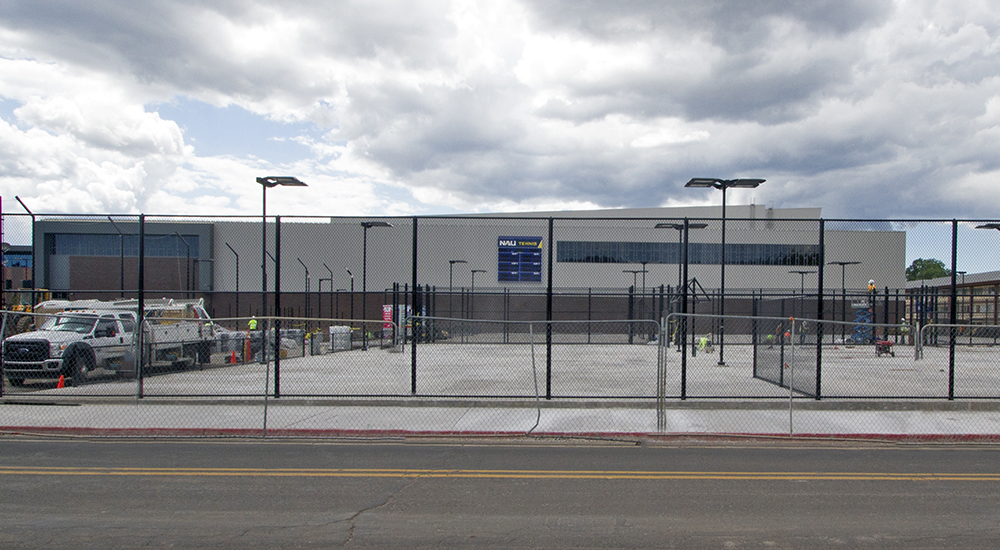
922,269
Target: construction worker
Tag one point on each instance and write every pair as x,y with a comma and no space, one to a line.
705,344
871,309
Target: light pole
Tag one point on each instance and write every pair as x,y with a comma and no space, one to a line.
843,293
635,273
631,313
306,285
802,288
451,265
265,183
364,276
352,294
802,279
121,258
472,297
332,313
723,185
237,279
680,243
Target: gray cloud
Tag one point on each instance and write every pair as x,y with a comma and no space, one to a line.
865,108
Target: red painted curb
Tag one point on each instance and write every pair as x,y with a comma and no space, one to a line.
318,433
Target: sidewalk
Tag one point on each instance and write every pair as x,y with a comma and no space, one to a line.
960,421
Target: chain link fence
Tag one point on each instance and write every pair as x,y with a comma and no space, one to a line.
499,325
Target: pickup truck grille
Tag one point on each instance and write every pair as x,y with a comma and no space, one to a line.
26,351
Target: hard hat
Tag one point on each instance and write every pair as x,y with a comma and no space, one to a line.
871,281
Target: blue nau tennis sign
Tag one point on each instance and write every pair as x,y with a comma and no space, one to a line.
519,259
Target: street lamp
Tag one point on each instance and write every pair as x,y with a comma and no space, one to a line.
472,297
802,289
332,313
843,293
451,265
802,279
121,260
352,294
237,279
265,183
306,285
631,313
680,242
364,276
635,273
723,185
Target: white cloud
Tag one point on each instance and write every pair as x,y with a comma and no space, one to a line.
456,105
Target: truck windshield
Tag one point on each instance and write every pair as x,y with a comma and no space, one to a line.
77,324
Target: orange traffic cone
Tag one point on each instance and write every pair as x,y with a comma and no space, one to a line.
232,358
62,382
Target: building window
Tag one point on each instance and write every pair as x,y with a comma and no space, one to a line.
84,244
698,253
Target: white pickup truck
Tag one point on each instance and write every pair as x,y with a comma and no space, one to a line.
78,343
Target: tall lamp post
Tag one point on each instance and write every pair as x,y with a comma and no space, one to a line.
723,185
332,313
802,279
351,275
121,258
306,285
472,297
237,279
451,266
802,288
680,243
843,294
364,276
631,312
265,183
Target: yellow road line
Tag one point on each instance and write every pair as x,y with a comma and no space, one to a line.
492,474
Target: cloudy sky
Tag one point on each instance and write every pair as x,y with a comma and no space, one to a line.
866,108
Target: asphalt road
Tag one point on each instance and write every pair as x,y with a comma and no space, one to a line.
509,494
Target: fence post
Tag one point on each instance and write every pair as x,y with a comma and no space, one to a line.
753,329
416,311
820,307
684,309
548,319
3,335
953,313
277,307
140,356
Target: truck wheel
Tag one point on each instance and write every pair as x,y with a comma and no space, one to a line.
204,353
16,382
77,376
24,323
